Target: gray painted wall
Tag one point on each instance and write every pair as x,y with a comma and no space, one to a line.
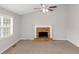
7,42
73,31
57,19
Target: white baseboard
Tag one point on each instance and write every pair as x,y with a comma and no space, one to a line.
59,39
26,39
73,43
33,39
9,46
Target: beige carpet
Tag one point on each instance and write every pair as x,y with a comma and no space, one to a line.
52,47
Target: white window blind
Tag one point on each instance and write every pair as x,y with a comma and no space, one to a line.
6,26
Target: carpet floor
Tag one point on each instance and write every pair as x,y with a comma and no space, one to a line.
51,47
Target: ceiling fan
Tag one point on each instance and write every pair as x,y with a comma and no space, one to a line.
46,8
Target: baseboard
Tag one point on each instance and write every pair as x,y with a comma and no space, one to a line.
33,39
9,46
26,38
73,43
59,39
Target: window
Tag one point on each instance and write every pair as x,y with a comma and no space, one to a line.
6,26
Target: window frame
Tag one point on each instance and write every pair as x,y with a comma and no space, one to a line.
6,30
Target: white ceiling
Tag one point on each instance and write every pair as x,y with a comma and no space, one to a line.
20,8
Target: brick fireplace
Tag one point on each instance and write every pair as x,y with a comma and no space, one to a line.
43,33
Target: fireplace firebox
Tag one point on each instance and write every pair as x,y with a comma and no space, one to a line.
43,34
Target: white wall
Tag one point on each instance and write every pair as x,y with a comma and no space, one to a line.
73,27
7,42
56,19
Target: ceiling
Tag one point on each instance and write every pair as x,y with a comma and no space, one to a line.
20,8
